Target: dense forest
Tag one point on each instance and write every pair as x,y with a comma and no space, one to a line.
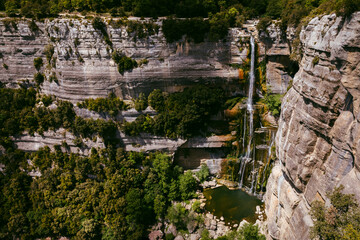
232,11
182,114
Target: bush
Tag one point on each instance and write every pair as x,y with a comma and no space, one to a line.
33,27
38,63
141,103
338,221
315,60
49,52
273,103
187,186
39,78
204,173
124,63
156,100
264,22
194,29
111,104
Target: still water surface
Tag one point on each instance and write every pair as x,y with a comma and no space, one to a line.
233,205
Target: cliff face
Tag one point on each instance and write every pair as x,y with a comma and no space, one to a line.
276,47
84,66
318,139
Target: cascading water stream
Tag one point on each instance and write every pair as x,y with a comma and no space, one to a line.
250,110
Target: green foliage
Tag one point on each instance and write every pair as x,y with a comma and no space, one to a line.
98,24
38,63
39,78
194,29
246,232
339,221
182,114
104,196
230,103
140,30
141,103
264,22
204,173
49,52
219,25
47,100
112,105
156,100
33,27
188,186
315,60
53,77
273,103
181,217
5,66
347,7
124,63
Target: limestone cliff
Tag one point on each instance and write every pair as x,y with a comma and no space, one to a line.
84,67
318,140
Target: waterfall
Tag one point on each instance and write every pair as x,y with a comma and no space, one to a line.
249,107
268,155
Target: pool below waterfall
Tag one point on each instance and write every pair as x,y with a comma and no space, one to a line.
233,205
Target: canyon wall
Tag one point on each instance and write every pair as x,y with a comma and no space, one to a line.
318,139
84,67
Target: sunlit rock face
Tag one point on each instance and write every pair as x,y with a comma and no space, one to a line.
318,139
277,47
84,66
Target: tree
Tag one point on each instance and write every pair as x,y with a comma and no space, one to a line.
141,103
339,221
187,186
157,100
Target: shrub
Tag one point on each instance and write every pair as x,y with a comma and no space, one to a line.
124,63
315,60
78,142
204,173
264,22
273,103
39,78
111,104
33,27
38,63
141,103
338,221
195,29
53,77
49,52
47,100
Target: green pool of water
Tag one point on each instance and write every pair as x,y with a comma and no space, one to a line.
233,205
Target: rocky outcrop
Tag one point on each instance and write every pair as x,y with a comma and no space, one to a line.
277,48
84,68
318,140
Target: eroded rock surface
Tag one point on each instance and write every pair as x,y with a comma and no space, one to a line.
318,139
84,67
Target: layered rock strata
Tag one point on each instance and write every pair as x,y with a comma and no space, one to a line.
84,67
318,140
277,49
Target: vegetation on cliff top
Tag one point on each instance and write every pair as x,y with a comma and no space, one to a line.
340,220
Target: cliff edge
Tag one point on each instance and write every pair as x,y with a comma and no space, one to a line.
318,139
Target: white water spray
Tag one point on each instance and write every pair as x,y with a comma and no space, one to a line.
250,110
